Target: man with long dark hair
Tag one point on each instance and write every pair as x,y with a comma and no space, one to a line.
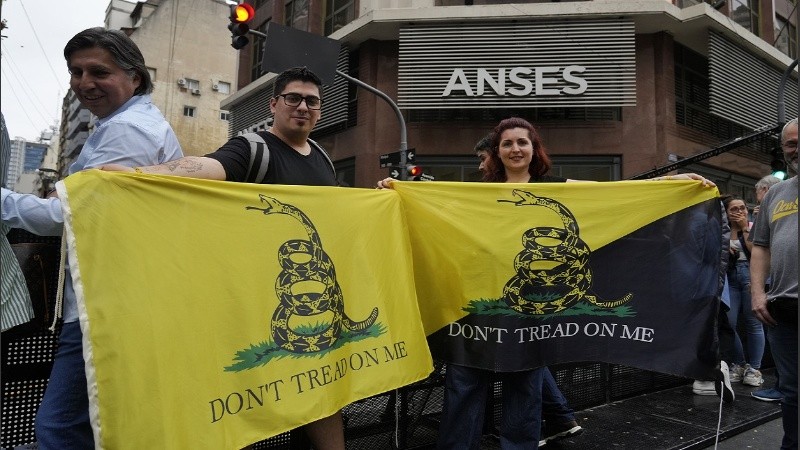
109,77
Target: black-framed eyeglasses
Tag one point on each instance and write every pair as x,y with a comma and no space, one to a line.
293,100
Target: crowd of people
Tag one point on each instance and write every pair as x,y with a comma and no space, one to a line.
109,77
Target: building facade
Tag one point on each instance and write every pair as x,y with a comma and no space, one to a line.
24,164
15,162
186,47
615,88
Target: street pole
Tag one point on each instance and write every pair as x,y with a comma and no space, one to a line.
403,133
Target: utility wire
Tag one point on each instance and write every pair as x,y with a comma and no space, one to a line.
28,89
22,89
21,3
22,106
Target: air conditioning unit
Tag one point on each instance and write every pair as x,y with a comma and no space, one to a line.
214,87
195,91
182,82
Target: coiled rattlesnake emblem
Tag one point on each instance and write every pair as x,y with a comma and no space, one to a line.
305,260
542,268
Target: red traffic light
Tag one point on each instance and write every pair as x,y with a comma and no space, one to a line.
413,171
242,13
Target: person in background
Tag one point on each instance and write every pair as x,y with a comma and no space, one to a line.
745,365
775,255
517,155
109,77
15,299
557,417
763,185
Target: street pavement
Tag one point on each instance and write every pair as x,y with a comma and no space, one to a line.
763,437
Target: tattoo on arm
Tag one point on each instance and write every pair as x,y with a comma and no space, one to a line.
188,164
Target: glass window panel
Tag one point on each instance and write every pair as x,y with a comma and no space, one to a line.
223,87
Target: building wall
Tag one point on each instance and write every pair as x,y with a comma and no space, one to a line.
647,135
15,162
76,125
34,155
190,40
118,14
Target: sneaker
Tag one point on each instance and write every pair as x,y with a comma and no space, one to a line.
752,377
703,388
736,373
767,395
559,431
723,386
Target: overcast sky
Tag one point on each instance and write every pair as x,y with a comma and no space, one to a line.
34,75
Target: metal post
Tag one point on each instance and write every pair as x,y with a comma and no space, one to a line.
782,91
403,133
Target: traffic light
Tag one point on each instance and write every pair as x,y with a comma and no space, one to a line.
413,172
240,15
778,166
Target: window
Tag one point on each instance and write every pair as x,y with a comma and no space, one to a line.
188,111
152,73
693,104
785,36
594,168
224,115
727,182
258,53
192,84
296,14
338,13
223,87
745,13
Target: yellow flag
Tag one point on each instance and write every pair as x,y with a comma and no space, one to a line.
515,276
218,314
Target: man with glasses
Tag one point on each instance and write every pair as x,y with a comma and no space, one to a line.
774,253
294,159
296,108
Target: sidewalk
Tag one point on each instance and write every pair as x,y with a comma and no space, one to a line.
673,419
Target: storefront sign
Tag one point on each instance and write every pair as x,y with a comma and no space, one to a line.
517,64
523,81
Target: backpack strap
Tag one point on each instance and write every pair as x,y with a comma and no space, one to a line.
325,154
259,158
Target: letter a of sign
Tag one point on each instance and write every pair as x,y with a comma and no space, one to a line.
458,81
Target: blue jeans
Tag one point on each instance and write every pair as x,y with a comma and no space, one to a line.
465,395
62,422
554,406
783,339
739,281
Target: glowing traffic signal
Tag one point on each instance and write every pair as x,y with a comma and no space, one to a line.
778,166
240,15
414,172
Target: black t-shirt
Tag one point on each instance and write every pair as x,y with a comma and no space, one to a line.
286,165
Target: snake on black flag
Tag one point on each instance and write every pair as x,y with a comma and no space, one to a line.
568,280
305,260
